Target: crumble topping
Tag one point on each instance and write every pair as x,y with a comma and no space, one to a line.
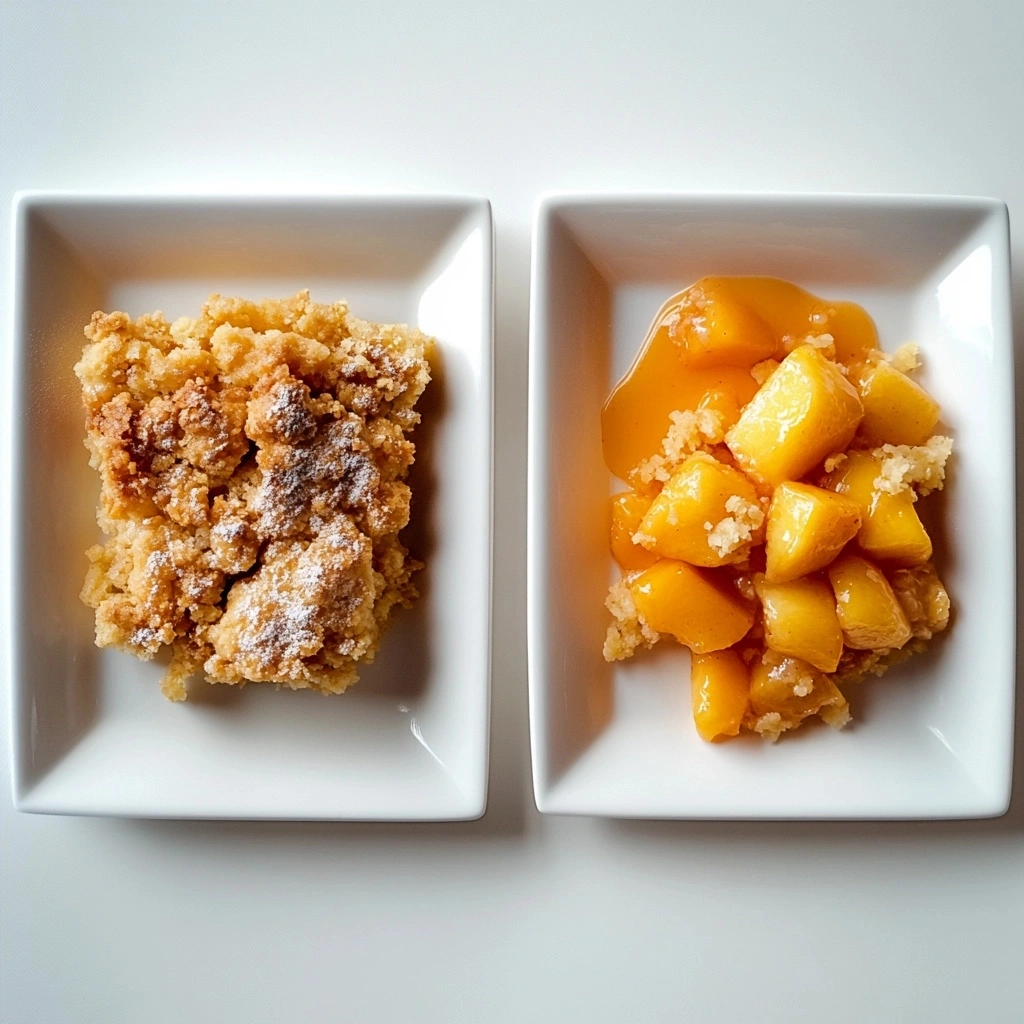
922,467
690,431
628,631
763,370
770,726
822,341
837,716
736,529
835,460
906,358
252,465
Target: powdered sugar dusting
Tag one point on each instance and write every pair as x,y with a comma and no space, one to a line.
288,412
228,530
333,471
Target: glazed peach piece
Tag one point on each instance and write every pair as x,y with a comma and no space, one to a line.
785,690
805,410
627,511
720,691
701,610
775,458
714,330
891,530
869,613
807,528
800,619
897,410
703,491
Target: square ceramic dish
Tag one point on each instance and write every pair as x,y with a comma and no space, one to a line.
91,732
932,739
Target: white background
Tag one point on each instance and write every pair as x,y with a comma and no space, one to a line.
515,917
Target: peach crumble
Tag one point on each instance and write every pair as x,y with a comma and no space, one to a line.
775,457
253,466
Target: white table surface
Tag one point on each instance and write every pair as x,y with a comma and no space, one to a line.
515,917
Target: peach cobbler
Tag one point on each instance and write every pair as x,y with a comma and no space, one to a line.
253,467
776,457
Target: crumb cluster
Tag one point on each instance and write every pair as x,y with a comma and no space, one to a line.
691,430
628,631
737,528
919,467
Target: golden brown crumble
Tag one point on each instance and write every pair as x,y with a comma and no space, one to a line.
253,467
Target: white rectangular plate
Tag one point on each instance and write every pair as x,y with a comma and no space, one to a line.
91,732
933,738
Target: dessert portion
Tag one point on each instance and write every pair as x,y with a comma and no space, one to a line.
253,466
776,458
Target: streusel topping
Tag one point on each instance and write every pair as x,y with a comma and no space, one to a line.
253,467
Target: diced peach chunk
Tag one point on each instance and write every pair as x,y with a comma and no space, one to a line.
853,330
682,520
699,607
718,332
803,412
897,410
720,688
800,620
807,528
868,610
627,510
786,690
891,531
